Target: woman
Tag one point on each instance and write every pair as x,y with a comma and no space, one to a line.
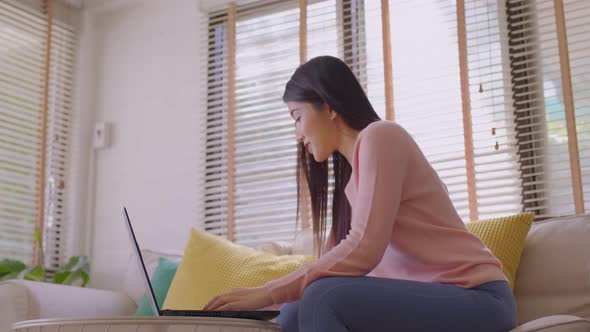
398,257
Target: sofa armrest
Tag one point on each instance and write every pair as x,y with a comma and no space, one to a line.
25,300
275,247
301,245
558,323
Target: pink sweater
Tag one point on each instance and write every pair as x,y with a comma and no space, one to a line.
404,225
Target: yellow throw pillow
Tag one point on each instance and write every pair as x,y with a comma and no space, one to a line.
212,265
505,237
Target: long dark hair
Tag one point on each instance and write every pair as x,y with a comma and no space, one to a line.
328,80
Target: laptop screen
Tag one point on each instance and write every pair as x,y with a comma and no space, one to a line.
154,301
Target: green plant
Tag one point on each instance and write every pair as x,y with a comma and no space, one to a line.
75,271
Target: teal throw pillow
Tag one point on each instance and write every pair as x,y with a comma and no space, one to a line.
161,280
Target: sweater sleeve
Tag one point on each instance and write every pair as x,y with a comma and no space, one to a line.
381,162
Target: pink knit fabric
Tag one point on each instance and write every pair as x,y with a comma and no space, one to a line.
404,225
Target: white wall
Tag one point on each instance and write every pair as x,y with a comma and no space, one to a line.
139,71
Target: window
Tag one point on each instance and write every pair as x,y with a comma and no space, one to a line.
554,153
497,165
495,132
267,53
577,18
23,45
215,186
427,88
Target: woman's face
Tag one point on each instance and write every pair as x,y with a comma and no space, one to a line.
315,128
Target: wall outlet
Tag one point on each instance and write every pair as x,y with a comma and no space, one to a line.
102,135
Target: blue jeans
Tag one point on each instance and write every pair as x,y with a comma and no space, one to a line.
337,304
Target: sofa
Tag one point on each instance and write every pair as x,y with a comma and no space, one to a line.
552,286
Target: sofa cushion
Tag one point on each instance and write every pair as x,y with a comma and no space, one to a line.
134,286
46,300
505,238
560,323
554,273
160,280
212,265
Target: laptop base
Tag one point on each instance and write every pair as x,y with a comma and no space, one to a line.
257,315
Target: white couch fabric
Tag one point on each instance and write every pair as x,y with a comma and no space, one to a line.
25,300
560,323
554,273
14,304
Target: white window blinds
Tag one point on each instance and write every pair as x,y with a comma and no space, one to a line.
540,102
497,175
215,180
267,48
577,18
60,122
324,32
350,30
23,45
22,52
427,90
267,53
477,83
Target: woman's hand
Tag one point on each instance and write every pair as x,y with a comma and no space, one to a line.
241,299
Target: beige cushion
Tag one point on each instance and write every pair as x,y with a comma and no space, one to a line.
275,247
562,323
25,300
554,273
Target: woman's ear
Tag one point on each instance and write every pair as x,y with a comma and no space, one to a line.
333,114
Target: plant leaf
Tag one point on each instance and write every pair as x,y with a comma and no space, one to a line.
77,263
4,270
35,273
59,277
72,276
39,245
76,277
11,265
85,278
71,264
13,275
77,269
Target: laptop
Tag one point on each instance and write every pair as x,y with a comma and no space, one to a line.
257,315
